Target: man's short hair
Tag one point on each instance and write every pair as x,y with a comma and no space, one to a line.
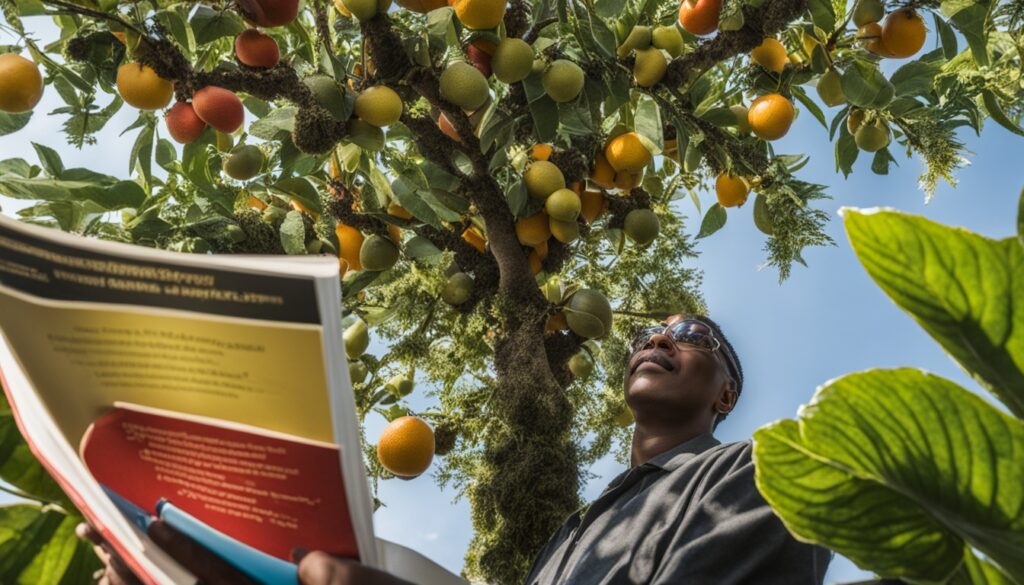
733,366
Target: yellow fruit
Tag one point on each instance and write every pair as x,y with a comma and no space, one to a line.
406,447
379,105
340,6
668,38
563,80
362,9
650,67
356,338
479,14
870,35
396,210
474,238
903,33
533,230
872,137
581,364
357,371
603,175
770,54
740,111
564,231
625,417
458,289
642,226
589,314
543,178
770,116
627,181
732,191
395,233
350,242
809,42
563,205
638,38
593,205
464,85
378,253
512,60
868,11
541,151
830,89
141,87
626,152
21,84
854,120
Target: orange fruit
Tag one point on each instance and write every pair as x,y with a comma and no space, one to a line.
449,130
541,249
298,206
854,120
479,14
257,203
541,151
395,233
870,35
626,152
770,54
556,322
700,17
474,238
396,210
603,175
627,181
671,148
533,230
535,261
350,241
770,116
594,205
141,87
406,446
21,84
903,33
732,191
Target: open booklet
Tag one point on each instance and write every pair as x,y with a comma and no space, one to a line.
209,391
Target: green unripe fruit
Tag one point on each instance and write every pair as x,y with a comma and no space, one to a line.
328,93
762,220
642,226
365,135
872,137
357,371
868,11
400,386
566,232
464,85
362,9
563,80
589,314
379,105
244,162
563,205
378,253
235,233
830,89
274,215
357,339
638,38
650,67
458,288
512,60
669,39
223,141
581,365
543,178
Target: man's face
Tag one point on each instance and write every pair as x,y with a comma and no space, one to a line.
673,378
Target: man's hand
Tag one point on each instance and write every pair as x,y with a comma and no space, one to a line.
315,568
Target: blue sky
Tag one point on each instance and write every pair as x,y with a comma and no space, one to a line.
825,321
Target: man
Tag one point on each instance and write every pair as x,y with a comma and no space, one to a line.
686,511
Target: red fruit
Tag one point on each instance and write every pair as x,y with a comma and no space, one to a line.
449,130
183,123
479,58
219,108
256,49
268,13
700,17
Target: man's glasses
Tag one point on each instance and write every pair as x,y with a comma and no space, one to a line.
689,332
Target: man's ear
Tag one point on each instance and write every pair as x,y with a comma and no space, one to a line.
727,399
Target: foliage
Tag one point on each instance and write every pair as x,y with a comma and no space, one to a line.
518,428
904,472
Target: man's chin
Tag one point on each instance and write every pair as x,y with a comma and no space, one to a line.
646,388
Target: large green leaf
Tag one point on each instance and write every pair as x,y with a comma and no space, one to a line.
18,467
899,470
965,290
39,546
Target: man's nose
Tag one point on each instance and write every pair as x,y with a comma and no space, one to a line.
662,342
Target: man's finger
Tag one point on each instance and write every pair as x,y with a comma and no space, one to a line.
118,572
206,566
320,568
86,532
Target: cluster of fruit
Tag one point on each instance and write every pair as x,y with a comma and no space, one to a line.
653,47
901,35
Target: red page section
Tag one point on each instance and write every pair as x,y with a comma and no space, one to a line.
269,493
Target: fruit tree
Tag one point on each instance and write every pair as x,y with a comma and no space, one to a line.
498,180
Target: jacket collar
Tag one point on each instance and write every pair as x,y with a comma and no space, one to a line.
676,456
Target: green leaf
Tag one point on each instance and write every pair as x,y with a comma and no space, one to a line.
38,545
301,189
166,155
420,247
971,23
865,86
846,152
898,470
1020,219
915,78
142,152
881,161
965,290
947,36
409,199
50,160
18,467
279,120
293,233
995,110
713,221
648,122
11,123
810,106
209,24
108,193
609,8
822,14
